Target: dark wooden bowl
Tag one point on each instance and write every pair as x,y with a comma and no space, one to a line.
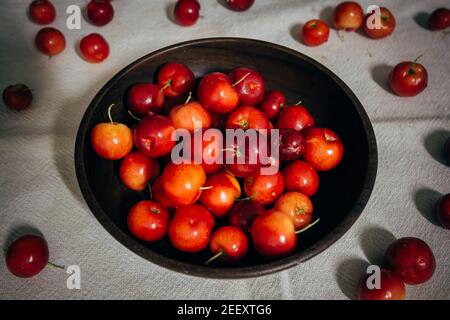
343,192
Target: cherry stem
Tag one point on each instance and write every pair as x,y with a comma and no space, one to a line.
244,199
133,116
214,257
298,103
206,188
340,36
150,191
189,98
109,113
411,69
242,79
168,84
55,265
307,227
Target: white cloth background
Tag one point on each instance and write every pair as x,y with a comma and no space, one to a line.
37,177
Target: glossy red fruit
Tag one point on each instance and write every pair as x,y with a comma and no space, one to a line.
112,140
230,242
439,19
187,12
348,16
292,144
302,177
148,220
209,152
100,12
249,84
94,48
42,12
242,160
391,287
176,79
159,196
411,259
273,234
443,211
152,136
181,183
50,41
264,189
239,5
217,94
272,103
294,117
323,149
136,171
27,256
190,228
315,32
243,214
222,190
17,97
247,117
185,116
145,99
408,79
297,206
386,28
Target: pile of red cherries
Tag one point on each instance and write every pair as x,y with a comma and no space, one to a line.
275,207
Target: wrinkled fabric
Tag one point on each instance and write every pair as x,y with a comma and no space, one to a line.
39,189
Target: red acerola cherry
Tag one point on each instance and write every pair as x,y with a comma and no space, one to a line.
273,234
176,79
188,115
439,19
302,177
148,220
190,228
182,183
348,16
153,136
411,259
264,189
408,79
17,97
159,196
42,12
187,12
323,149
243,214
292,144
100,12
217,94
27,256
145,99
136,170
249,84
386,28
272,103
391,287
229,243
50,41
443,210
297,206
315,32
295,117
94,48
239,5
247,117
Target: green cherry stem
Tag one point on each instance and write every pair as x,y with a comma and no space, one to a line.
189,98
242,79
133,116
214,257
51,264
109,113
307,227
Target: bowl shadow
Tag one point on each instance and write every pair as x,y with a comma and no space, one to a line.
348,275
426,201
374,241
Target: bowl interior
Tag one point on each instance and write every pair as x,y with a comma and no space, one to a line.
343,191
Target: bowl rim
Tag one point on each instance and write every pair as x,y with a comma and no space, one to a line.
241,272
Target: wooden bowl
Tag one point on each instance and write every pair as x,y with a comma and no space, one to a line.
343,192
